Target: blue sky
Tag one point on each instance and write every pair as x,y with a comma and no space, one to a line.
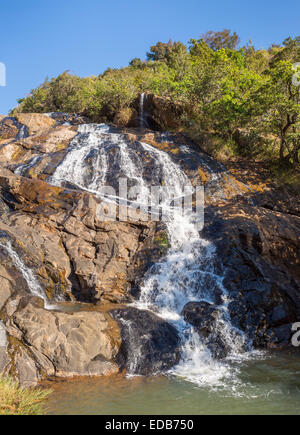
40,38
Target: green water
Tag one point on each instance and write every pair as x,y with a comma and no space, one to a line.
267,386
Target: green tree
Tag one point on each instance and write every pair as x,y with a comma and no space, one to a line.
278,100
224,39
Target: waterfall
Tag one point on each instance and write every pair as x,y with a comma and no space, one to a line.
32,283
142,111
98,156
3,339
21,169
188,274
23,133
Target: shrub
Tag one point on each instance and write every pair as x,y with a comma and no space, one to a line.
16,400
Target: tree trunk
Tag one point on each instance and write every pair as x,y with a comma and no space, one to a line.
282,146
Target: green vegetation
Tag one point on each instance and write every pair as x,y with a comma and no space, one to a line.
15,400
162,240
247,100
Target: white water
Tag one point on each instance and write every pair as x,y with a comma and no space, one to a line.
98,157
3,339
23,133
188,273
23,168
142,101
33,285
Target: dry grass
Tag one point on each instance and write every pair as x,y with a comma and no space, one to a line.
15,400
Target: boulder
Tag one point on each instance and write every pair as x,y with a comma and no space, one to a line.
35,122
208,320
9,128
149,344
44,343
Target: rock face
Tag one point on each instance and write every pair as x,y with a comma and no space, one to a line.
48,343
258,249
162,113
207,319
149,344
60,242
56,245
68,245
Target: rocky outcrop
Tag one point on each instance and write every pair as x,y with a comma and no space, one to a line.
149,343
258,253
208,320
72,250
76,251
43,343
160,113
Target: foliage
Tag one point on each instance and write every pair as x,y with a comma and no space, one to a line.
218,40
222,89
15,400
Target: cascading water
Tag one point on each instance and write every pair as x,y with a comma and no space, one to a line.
23,133
22,168
142,120
3,339
188,274
99,156
33,285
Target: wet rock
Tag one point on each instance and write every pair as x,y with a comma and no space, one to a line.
72,251
9,128
202,315
69,118
160,113
258,250
207,320
149,343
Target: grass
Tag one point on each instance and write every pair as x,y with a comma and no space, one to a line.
16,400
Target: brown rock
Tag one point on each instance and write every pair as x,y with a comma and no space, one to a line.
35,122
49,343
126,117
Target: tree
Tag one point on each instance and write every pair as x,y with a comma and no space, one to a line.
161,51
200,49
218,40
137,63
278,101
289,51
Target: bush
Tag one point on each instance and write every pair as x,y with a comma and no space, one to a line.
224,90
15,400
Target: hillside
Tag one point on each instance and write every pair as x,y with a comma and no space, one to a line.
242,101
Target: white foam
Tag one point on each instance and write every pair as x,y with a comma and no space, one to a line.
3,339
33,285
